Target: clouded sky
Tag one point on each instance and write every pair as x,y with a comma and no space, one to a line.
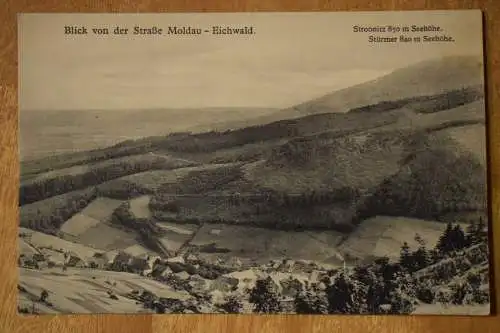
291,58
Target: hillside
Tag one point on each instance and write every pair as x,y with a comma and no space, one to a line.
318,171
453,281
68,179
425,78
344,179
416,82
46,132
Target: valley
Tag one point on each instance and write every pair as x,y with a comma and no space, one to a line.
350,181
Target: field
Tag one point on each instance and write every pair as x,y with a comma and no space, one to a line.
25,248
86,290
41,240
176,235
101,208
264,244
137,250
183,229
471,138
139,207
107,237
173,240
97,211
384,236
78,224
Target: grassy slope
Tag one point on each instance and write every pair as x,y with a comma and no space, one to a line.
425,78
263,244
85,291
384,236
40,240
98,211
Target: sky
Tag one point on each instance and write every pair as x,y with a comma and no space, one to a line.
290,59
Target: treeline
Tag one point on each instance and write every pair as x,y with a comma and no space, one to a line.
147,230
38,166
48,215
427,104
448,100
340,123
310,198
430,185
452,240
41,189
121,189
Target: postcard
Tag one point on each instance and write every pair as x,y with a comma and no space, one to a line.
299,163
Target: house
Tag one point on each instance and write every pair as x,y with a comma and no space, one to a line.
110,257
182,275
215,232
191,258
152,261
225,283
291,286
98,263
121,262
234,262
73,260
54,258
177,264
38,257
161,270
197,283
139,264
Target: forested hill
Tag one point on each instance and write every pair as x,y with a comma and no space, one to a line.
417,154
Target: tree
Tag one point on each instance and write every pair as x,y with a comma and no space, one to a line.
406,258
482,230
344,295
444,242
458,238
44,295
421,257
400,302
232,304
476,232
311,302
452,239
265,297
375,295
321,303
304,303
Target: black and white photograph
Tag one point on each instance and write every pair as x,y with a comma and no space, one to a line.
253,163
